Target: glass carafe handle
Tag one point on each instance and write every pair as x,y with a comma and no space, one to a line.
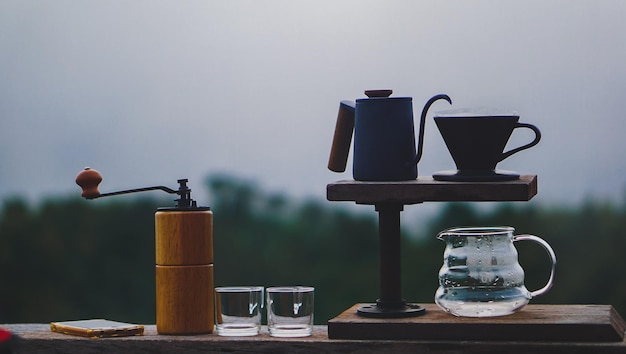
548,249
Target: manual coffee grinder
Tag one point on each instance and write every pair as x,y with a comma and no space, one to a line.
184,258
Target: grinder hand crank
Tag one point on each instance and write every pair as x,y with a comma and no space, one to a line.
89,179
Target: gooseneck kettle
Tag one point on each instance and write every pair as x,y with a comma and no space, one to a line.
384,137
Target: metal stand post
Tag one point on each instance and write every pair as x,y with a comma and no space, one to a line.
390,304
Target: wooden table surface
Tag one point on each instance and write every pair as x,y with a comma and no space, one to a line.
37,338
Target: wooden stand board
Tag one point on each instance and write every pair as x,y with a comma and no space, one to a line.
425,189
554,323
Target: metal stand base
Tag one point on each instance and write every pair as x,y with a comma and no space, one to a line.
375,311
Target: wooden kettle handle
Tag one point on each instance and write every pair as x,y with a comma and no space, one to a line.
89,179
343,137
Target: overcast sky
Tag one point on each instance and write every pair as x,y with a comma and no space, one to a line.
151,91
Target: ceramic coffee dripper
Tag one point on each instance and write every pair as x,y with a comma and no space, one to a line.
481,276
476,140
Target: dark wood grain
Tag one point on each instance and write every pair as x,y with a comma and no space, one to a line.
557,323
425,189
37,338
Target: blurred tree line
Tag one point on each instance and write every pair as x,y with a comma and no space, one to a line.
74,259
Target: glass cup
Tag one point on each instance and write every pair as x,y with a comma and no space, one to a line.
290,311
238,310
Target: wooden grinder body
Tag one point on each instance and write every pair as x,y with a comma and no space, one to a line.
184,271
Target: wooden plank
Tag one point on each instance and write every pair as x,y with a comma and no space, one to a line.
562,323
37,338
425,189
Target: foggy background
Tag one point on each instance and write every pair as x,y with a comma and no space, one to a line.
148,92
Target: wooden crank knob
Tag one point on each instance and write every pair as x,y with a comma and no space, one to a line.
89,179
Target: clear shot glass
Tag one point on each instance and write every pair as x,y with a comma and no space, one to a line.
238,310
290,311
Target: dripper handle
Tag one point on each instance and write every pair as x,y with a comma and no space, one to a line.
551,254
524,147
343,137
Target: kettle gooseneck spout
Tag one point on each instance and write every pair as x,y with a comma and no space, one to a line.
420,142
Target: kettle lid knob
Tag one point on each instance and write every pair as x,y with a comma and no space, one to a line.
378,93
